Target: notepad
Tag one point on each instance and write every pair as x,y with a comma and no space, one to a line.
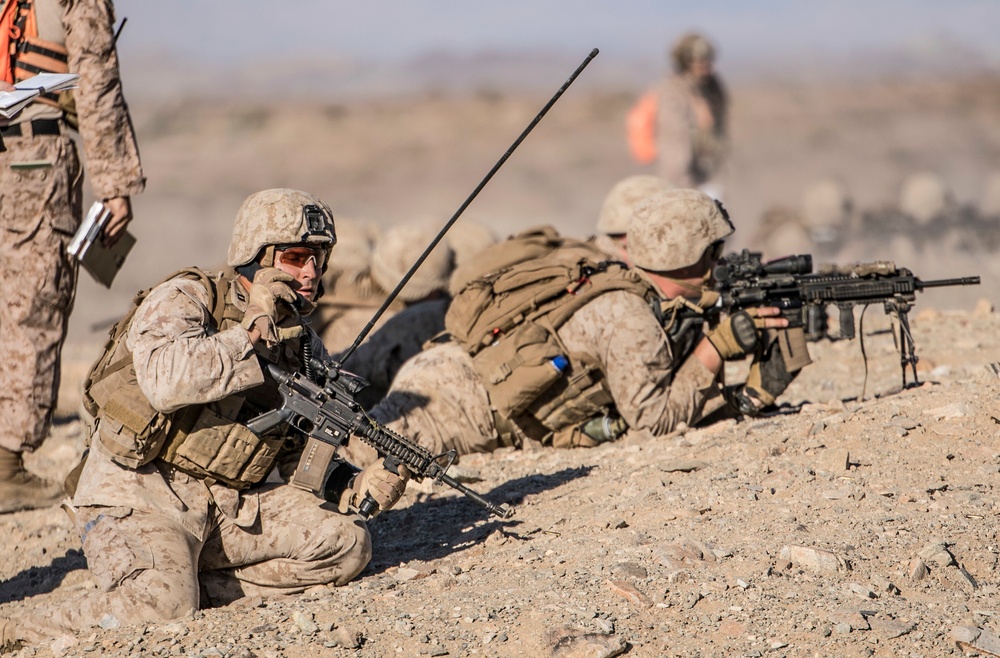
102,262
12,102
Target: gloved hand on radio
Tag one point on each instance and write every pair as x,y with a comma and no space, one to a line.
264,313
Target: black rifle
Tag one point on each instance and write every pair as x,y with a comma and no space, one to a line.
745,281
328,413
321,402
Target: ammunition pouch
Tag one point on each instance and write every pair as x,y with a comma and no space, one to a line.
210,444
128,429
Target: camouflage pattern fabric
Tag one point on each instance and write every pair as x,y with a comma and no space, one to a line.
40,209
401,338
438,400
690,155
671,230
148,532
148,568
350,301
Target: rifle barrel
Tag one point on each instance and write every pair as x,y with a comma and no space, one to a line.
941,283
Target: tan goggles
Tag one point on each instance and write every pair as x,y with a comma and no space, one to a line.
299,257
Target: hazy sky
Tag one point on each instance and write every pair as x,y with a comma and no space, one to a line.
220,30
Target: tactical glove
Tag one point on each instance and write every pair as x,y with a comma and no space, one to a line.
768,378
263,311
384,486
736,336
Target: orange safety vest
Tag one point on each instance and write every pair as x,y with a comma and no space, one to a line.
22,53
641,126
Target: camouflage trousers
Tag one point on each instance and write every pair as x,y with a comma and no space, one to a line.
437,400
40,209
150,569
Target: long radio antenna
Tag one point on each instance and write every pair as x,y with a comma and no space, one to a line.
458,213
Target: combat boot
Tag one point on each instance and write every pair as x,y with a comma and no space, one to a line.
20,490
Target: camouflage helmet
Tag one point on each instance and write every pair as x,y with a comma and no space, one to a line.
924,196
825,203
616,211
467,238
689,48
279,217
398,250
671,230
355,239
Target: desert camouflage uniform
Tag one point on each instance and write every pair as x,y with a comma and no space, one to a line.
347,307
401,338
439,401
689,155
155,536
41,207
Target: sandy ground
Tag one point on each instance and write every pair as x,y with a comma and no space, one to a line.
840,526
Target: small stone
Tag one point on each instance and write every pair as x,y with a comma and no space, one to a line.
742,583
953,410
681,466
109,622
305,622
917,569
629,570
605,626
937,554
62,644
629,593
349,638
862,591
405,574
815,559
890,628
843,628
905,422
837,461
571,643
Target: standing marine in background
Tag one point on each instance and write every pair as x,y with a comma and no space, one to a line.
41,192
682,122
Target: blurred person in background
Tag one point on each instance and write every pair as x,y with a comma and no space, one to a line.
681,123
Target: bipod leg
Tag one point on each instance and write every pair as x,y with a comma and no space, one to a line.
908,355
904,341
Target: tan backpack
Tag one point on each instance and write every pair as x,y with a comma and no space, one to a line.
507,319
